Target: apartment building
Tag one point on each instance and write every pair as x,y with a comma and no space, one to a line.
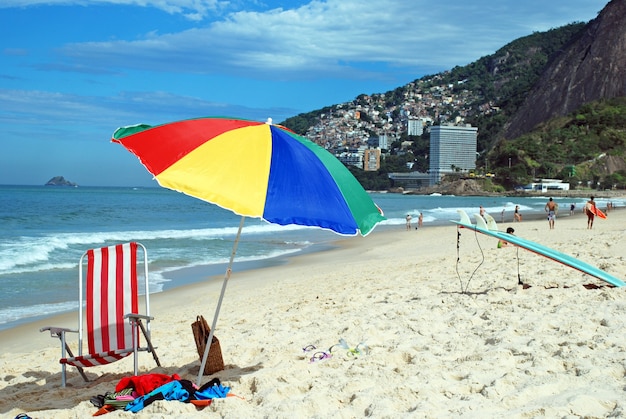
452,149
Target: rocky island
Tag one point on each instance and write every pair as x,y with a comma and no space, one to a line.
60,181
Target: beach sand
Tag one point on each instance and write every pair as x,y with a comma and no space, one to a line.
555,349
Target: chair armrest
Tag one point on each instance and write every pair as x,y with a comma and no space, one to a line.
137,316
57,331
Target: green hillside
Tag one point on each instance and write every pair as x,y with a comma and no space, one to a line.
575,148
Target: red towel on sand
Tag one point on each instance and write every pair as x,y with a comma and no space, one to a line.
144,384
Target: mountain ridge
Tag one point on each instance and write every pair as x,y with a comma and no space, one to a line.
590,68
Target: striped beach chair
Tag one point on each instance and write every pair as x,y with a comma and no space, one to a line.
109,318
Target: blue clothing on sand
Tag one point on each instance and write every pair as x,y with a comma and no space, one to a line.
181,390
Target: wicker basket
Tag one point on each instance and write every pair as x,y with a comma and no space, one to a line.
201,331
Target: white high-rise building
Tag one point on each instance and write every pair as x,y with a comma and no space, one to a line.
415,127
452,148
383,141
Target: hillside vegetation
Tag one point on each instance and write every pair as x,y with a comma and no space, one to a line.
504,78
586,148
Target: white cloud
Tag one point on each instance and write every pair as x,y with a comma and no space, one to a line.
96,113
333,38
192,9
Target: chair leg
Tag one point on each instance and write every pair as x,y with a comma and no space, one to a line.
65,349
80,369
149,342
137,322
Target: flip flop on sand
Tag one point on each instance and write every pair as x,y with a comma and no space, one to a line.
317,356
360,349
309,348
320,356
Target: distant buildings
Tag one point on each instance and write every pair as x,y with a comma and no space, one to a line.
546,185
415,126
371,159
378,120
364,158
352,157
383,141
409,180
452,149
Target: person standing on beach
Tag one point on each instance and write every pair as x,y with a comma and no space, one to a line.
572,207
590,213
517,216
482,211
551,210
408,222
420,219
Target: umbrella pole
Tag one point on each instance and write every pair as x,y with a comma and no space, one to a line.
219,304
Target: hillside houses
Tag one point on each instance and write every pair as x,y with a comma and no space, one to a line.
350,127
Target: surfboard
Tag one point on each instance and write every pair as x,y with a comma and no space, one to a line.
596,211
489,227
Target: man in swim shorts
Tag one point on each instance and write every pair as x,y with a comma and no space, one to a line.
551,210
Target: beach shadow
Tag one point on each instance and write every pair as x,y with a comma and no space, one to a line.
469,293
230,372
38,390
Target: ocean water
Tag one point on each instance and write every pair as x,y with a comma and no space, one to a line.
45,230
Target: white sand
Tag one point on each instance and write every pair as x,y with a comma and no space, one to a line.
555,349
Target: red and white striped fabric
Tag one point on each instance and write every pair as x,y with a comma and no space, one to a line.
111,292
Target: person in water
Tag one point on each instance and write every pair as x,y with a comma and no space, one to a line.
504,243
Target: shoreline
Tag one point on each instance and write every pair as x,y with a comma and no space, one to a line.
199,274
190,276
19,337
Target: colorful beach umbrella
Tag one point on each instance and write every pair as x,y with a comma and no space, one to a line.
253,169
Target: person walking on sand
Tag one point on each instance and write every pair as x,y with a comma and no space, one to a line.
590,211
551,210
572,207
517,216
408,222
420,219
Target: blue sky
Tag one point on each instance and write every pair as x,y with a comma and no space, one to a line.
72,71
